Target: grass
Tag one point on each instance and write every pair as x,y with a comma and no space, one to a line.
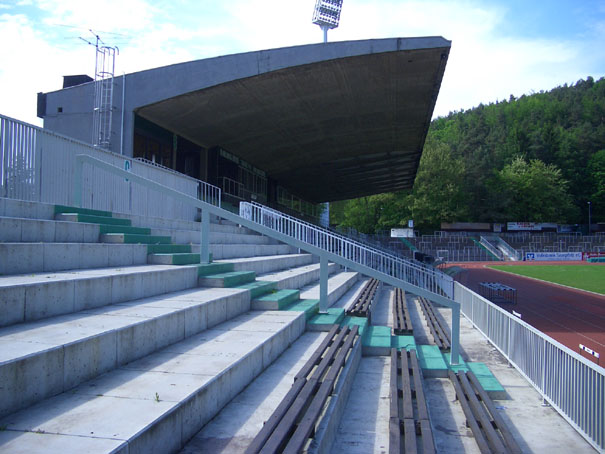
585,277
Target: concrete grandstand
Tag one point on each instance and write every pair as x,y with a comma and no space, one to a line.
138,315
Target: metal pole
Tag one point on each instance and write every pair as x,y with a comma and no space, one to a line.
205,237
589,218
325,30
454,352
323,284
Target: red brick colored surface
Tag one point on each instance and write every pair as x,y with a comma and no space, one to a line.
568,315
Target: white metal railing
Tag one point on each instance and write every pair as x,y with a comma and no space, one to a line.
573,385
487,243
37,164
356,237
414,273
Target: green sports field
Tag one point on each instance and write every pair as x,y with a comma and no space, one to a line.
585,277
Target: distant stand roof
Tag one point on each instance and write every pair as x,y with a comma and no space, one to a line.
328,121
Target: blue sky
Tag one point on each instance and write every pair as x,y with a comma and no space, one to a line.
499,48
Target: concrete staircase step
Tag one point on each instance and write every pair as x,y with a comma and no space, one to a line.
182,258
131,238
168,248
214,268
91,219
40,230
163,399
309,307
227,279
257,288
298,277
275,300
270,263
44,358
227,251
59,209
22,258
26,298
107,228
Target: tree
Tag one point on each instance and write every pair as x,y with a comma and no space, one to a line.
532,191
439,193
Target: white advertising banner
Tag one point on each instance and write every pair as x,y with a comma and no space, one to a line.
552,256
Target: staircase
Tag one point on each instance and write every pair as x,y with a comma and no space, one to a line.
107,346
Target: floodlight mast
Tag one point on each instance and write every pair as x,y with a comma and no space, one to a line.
327,15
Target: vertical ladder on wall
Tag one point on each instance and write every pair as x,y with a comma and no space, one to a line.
103,96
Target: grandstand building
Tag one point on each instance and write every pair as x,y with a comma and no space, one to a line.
289,127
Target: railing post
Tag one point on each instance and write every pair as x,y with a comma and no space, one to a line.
205,237
323,284
454,352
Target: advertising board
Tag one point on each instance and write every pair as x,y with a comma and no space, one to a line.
552,256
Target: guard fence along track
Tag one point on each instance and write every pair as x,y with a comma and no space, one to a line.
293,422
409,426
361,307
402,323
438,330
488,427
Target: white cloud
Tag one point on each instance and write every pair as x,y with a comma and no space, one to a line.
483,66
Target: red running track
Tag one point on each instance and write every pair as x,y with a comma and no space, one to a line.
568,315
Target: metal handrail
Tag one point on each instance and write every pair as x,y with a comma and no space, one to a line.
332,232
413,273
429,284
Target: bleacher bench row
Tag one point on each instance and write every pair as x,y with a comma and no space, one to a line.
409,425
293,422
490,432
439,332
361,307
402,323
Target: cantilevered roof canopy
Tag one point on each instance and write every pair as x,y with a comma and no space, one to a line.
331,121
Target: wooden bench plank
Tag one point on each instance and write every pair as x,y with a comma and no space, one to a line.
420,400
317,354
470,418
481,415
509,439
394,436
409,436
406,388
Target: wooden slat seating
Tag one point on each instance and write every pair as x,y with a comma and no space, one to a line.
402,323
439,332
409,416
362,304
488,427
293,421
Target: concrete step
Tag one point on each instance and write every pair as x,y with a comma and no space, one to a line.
269,263
228,251
275,300
234,428
133,238
176,258
22,258
26,298
30,297
58,209
217,237
26,230
45,358
91,219
338,285
227,279
163,399
168,248
298,277
108,228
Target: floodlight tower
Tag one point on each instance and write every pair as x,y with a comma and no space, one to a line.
327,15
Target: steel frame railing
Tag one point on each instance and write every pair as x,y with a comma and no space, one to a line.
408,271
330,231
573,385
36,164
422,282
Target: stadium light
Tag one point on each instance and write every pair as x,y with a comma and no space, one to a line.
589,217
327,15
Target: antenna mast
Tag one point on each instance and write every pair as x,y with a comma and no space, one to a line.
105,60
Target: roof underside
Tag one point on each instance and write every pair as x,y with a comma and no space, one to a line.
333,130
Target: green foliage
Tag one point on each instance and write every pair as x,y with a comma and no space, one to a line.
536,158
532,191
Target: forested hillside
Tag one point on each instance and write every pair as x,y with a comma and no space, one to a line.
538,158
